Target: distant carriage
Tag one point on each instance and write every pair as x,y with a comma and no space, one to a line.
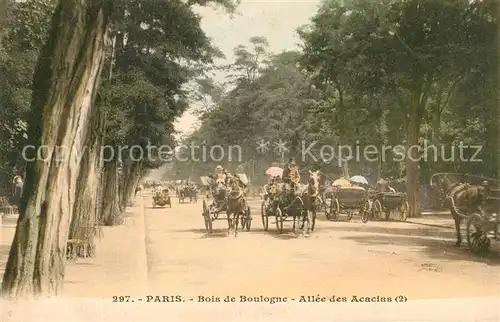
187,191
349,199
192,193
162,199
387,203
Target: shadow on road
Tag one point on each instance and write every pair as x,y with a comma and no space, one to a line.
414,229
286,235
437,249
216,233
342,218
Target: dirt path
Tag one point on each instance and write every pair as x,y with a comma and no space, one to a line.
163,253
341,259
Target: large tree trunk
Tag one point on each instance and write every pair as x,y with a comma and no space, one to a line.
84,225
131,180
111,214
65,83
498,97
412,174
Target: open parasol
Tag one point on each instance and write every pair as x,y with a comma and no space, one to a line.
359,179
341,182
274,172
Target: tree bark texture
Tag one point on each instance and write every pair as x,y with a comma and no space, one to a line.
65,84
84,226
131,180
111,215
412,179
498,94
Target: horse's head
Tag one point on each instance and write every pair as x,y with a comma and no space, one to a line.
234,186
445,182
314,177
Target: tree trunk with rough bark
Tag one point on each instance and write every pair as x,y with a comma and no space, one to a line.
111,214
84,226
131,182
64,89
412,174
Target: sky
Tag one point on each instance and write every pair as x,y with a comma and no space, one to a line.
276,20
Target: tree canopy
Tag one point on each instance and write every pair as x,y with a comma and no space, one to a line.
396,72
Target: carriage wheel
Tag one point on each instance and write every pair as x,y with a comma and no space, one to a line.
279,220
403,215
477,238
327,209
366,211
207,217
208,223
377,210
249,219
335,209
264,216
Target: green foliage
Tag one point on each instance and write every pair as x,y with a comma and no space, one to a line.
363,67
27,28
158,48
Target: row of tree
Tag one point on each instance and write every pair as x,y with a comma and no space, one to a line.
91,77
392,72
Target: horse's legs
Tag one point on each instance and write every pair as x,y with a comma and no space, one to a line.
457,219
229,214
310,215
236,220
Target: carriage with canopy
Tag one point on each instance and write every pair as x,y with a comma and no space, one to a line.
344,196
220,193
483,222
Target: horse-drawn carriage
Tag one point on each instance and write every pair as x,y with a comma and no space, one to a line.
387,202
475,199
348,198
291,206
162,199
187,191
227,196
